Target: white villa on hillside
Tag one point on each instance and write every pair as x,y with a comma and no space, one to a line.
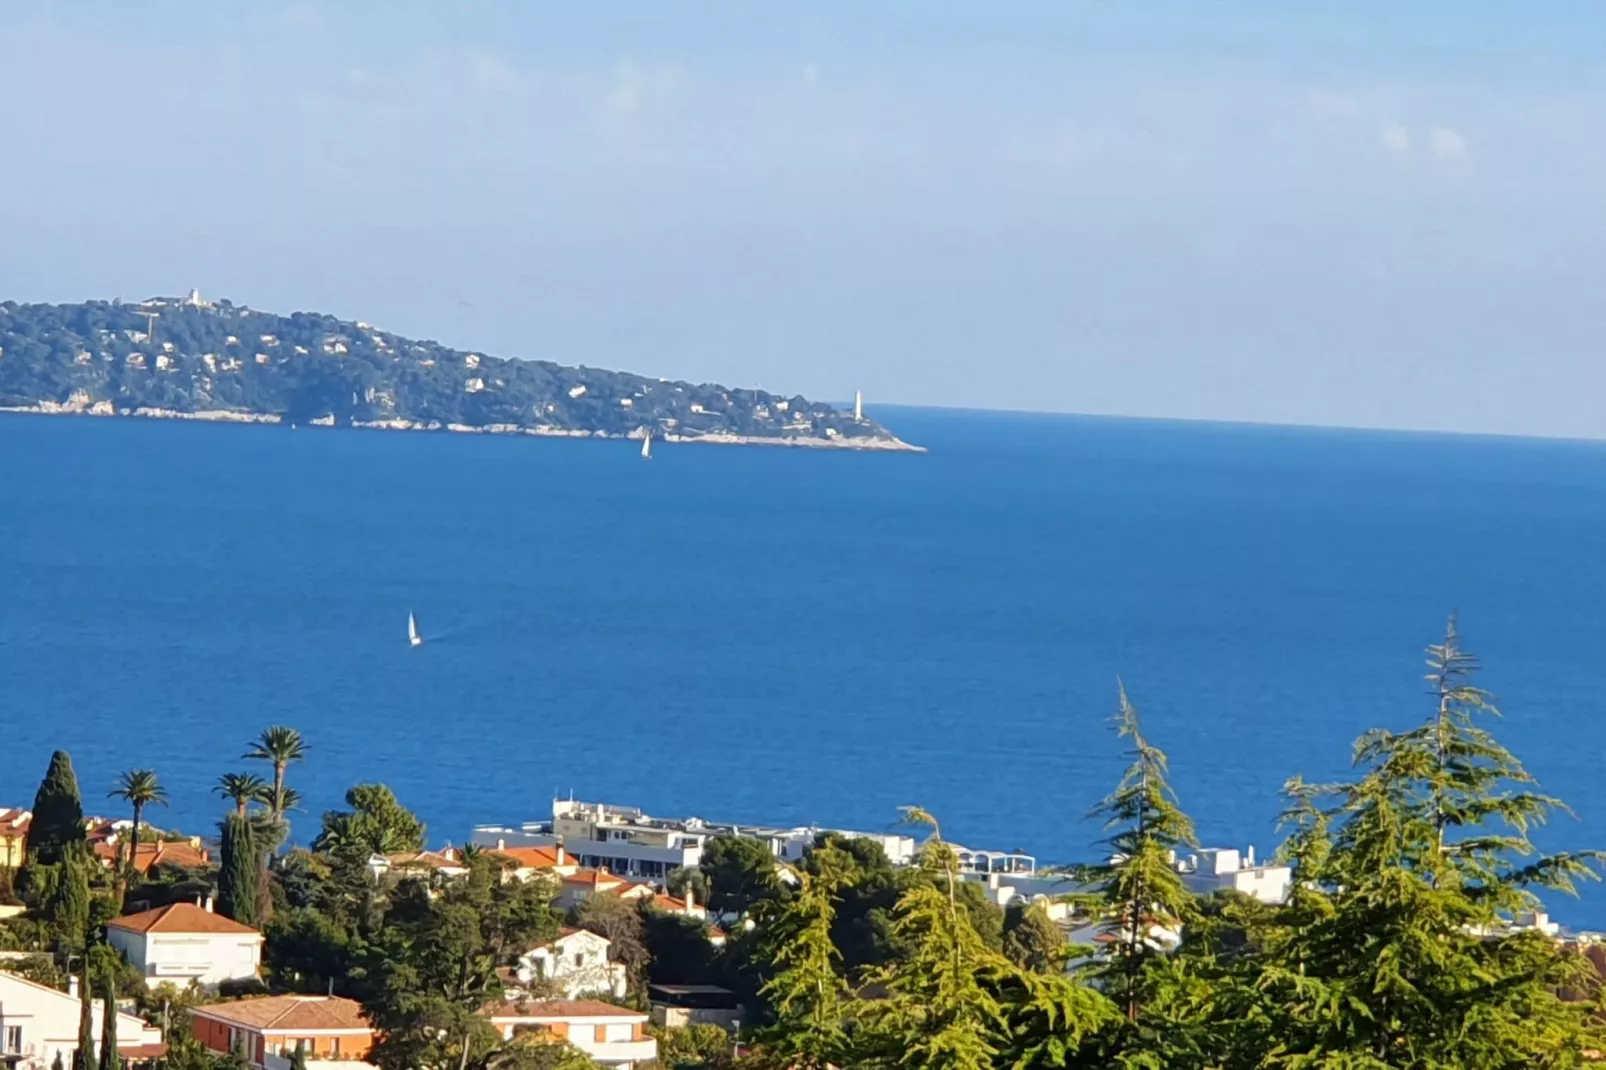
575,964
182,942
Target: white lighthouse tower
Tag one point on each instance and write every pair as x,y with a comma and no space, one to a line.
858,406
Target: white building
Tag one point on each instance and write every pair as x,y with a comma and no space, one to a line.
611,1036
575,964
1221,869
182,942
624,840
38,1024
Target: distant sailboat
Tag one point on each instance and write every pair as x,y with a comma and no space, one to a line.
646,447
413,638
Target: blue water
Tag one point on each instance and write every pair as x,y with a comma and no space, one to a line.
789,636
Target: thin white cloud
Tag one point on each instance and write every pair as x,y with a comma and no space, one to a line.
811,74
1447,144
1395,138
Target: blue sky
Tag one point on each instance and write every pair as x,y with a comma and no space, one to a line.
1356,213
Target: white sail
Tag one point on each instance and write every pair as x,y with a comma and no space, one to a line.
413,638
646,447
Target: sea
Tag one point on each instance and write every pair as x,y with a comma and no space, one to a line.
791,636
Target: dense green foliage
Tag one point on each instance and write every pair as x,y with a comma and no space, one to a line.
309,366
58,813
376,823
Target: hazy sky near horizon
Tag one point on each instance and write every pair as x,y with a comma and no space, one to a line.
1366,214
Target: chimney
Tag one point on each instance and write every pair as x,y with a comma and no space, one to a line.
1249,857
691,898
563,859
72,985
501,845
208,904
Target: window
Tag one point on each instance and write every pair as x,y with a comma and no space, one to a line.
579,958
14,1038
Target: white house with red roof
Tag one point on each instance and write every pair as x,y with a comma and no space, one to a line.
39,1024
612,1036
182,942
574,964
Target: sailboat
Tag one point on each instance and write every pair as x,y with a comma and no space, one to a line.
646,447
413,638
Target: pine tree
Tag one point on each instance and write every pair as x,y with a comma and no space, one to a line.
941,1012
1138,891
1396,949
109,1059
58,813
805,990
240,870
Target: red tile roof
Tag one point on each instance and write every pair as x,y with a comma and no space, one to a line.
534,857
14,821
288,1014
180,918
427,860
163,853
595,878
526,1009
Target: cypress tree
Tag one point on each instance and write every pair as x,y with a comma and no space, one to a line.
83,1057
109,1059
240,874
69,907
58,813
56,1063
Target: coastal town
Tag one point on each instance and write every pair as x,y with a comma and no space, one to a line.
597,936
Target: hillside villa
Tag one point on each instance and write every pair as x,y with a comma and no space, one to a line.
330,1029
182,942
574,964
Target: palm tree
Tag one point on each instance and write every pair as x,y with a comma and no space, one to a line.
279,745
139,788
241,789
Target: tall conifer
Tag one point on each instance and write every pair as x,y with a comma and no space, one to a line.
805,990
109,1059
1398,947
1138,891
83,1056
58,813
240,870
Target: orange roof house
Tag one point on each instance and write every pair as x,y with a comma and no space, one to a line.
182,853
531,860
271,1028
183,943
